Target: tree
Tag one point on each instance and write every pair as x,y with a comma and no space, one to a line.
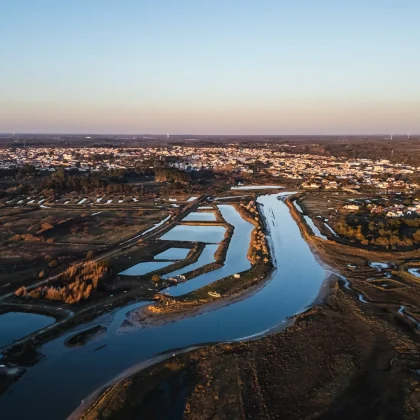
416,235
60,173
21,291
90,255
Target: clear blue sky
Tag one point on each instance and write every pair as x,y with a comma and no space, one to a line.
210,66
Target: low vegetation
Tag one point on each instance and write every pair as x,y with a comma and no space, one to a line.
76,283
258,251
384,232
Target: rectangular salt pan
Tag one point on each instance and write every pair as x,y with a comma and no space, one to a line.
145,268
173,254
209,234
206,257
200,217
256,187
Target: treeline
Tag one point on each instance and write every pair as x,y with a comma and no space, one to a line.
172,175
73,183
76,283
28,237
402,232
169,174
62,182
259,248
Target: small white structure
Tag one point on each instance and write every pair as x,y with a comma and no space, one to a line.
351,207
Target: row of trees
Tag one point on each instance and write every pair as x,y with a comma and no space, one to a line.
171,174
259,248
28,237
76,283
393,232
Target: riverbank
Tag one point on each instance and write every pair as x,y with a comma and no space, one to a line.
171,308
349,355
330,249
227,288
390,288
292,288
350,352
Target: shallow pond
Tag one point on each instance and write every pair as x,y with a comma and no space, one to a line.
209,234
379,265
206,257
297,207
15,325
143,268
236,256
257,187
330,229
314,227
200,217
69,375
173,254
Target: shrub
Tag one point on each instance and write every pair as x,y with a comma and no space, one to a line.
76,283
21,291
90,254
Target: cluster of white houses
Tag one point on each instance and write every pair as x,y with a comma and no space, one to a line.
316,172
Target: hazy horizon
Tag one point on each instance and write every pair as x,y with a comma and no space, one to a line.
210,68
396,136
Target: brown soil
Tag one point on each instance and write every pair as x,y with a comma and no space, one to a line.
169,309
229,287
340,360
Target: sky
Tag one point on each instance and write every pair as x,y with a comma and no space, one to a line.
210,66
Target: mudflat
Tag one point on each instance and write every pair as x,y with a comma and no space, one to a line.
341,359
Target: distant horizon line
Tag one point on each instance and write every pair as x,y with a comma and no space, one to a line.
205,134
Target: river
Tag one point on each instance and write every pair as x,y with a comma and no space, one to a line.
15,325
55,386
236,257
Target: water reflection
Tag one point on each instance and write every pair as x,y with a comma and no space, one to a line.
200,217
206,257
15,325
67,376
209,234
236,256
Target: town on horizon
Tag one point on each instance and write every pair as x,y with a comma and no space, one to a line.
210,210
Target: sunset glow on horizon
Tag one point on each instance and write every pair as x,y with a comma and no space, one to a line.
219,67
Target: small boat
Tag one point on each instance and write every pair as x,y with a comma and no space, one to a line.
214,294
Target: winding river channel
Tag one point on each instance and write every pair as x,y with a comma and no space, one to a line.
56,385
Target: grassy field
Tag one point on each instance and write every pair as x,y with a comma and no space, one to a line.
39,242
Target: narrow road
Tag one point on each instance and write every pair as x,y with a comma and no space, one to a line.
41,306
